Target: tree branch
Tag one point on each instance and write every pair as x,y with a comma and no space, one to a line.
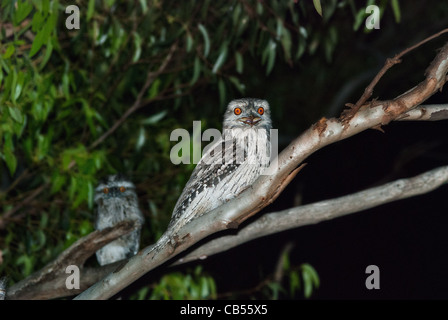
430,112
389,64
49,282
267,187
7,215
268,224
274,222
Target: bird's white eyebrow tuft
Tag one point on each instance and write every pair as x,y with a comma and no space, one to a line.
126,184
100,187
237,103
245,103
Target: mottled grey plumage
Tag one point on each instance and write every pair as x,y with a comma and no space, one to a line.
116,201
229,165
3,282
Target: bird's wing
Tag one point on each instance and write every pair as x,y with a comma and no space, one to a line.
216,163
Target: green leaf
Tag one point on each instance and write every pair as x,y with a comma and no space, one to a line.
294,282
90,9
236,19
9,51
206,39
189,43
57,181
204,288
196,70
239,62
154,88
66,85
48,51
7,85
212,287
19,86
140,139
307,285
286,43
37,21
27,263
396,9
260,8
142,293
85,228
275,288
10,160
79,192
42,36
16,114
271,49
238,85
90,194
1,76
310,279
38,5
43,145
221,58
154,118
13,85
301,48
312,272
37,43
144,6
359,19
46,5
43,220
303,32
39,243
23,9
318,7
138,47
18,128
222,92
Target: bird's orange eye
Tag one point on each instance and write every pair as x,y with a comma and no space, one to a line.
122,189
260,110
106,190
237,111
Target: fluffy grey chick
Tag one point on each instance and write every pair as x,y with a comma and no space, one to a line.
116,201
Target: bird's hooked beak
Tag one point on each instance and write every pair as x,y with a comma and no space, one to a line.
251,120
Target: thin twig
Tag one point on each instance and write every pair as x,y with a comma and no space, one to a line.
390,62
7,215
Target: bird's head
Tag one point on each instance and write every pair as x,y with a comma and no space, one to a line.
248,113
114,186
